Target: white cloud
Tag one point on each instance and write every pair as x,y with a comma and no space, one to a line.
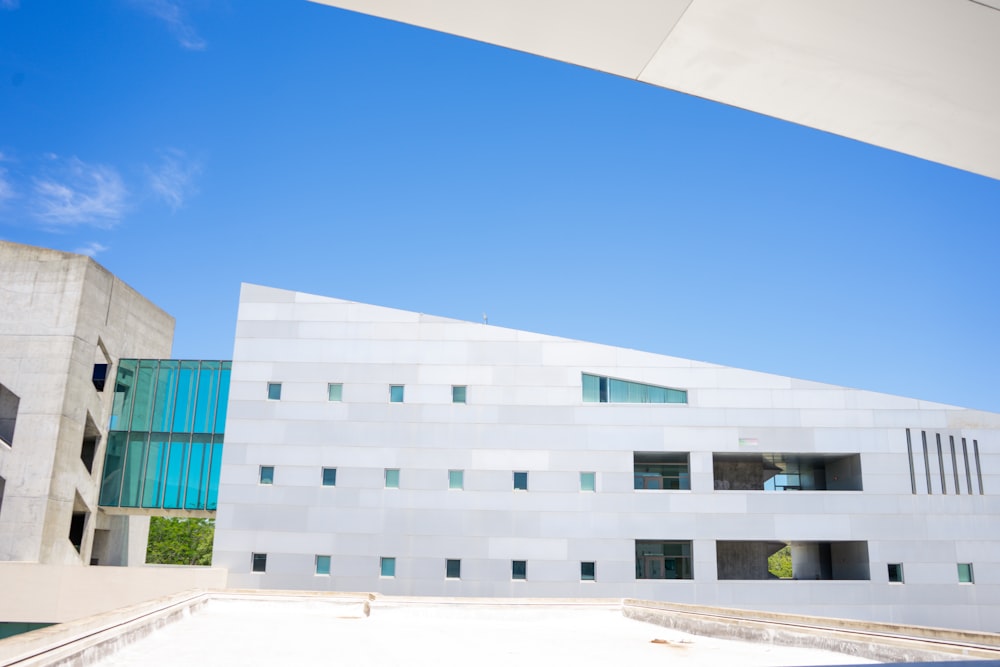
10,4
91,249
173,15
173,179
79,193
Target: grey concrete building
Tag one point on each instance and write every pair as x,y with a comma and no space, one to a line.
64,323
374,449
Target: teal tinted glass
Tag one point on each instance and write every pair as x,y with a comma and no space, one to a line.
132,474
396,393
591,388
329,477
156,468
166,394
220,412
199,464
212,500
598,389
588,481
114,460
335,391
965,573
274,391
456,479
267,475
453,568
521,481
519,569
173,492
121,409
187,387
208,395
458,394
157,406
392,478
322,565
388,567
145,390
587,571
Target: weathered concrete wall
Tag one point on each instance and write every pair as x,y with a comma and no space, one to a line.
59,315
740,475
745,560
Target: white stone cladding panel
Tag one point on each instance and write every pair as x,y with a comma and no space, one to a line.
525,412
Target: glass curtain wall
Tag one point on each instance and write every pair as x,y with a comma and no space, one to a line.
166,434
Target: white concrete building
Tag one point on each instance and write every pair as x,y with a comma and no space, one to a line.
64,323
373,449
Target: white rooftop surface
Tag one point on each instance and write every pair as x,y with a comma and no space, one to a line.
269,632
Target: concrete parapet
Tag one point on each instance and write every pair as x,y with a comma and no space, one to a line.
885,642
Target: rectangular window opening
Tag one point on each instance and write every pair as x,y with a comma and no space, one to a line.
99,376
9,402
453,569
456,479
600,389
322,565
329,477
258,563
965,573
3,484
387,567
274,391
396,393
587,571
588,481
765,559
520,481
335,392
662,471
392,478
266,475
895,573
458,394
662,559
88,448
786,472
519,569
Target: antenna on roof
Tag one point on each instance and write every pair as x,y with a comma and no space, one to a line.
486,320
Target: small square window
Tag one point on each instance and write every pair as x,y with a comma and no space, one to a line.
520,481
329,477
388,567
258,563
458,394
588,481
453,569
456,479
267,475
274,391
392,478
519,569
965,573
335,392
396,393
586,571
322,565
895,573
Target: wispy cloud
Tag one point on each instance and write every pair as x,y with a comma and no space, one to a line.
10,4
79,193
175,18
173,179
6,189
91,249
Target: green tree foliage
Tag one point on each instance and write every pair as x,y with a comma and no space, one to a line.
780,563
180,541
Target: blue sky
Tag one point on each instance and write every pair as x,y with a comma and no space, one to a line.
189,146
